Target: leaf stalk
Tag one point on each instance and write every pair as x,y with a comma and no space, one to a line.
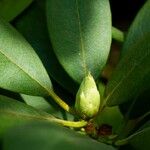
117,34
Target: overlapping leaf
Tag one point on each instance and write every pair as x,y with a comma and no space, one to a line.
80,32
131,76
20,68
35,31
13,113
47,105
45,136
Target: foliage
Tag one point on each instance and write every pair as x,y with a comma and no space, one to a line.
51,49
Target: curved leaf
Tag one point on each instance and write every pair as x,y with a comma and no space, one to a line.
131,76
80,32
9,9
20,68
35,31
37,136
139,28
13,112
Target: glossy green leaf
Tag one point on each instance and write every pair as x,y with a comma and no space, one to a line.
80,33
9,9
35,31
131,76
43,136
20,68
13,112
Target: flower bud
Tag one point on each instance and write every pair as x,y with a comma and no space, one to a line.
87,98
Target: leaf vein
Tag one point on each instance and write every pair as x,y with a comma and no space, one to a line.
130,71
82,48
11,60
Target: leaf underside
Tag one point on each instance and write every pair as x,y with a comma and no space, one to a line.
20,68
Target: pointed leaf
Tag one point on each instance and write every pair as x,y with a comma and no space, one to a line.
131,76
9,9
20,68
80,32
43,136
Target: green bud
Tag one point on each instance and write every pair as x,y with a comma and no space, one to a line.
87,98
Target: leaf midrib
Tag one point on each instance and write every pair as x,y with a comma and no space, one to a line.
47,117
12,61
23,115
82,48
130,71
